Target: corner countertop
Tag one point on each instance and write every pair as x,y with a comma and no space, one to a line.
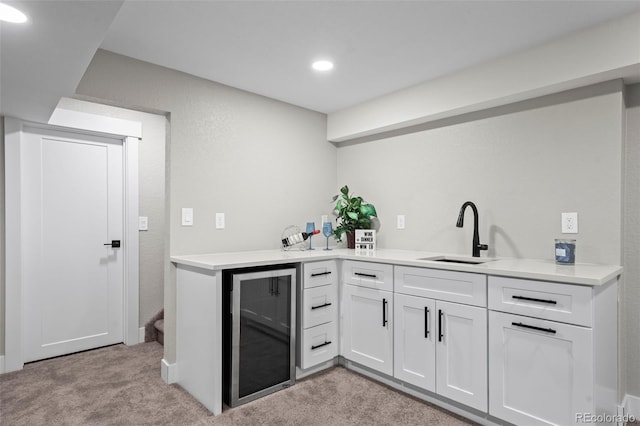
536,269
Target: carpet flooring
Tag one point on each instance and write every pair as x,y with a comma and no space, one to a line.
121,385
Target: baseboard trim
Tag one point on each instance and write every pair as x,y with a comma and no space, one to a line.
141,335
169,372
300,373
631,405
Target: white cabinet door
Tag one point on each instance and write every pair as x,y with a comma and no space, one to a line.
367,327
461,353
414,354
541,372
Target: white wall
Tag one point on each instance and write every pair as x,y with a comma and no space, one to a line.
522,168
263,163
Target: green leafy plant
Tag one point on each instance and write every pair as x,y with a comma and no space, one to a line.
352,213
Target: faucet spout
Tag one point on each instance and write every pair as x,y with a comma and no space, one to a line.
475,244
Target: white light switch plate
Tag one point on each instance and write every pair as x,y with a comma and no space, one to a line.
219,220
400,221
187,216
143,223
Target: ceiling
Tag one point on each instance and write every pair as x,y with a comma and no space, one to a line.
266,47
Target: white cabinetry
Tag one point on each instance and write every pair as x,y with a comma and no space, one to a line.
552,349
319,312
367,321
415,341
441,345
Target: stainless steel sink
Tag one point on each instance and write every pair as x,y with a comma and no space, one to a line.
460,260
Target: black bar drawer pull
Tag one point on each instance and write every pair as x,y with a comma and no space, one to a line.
533,327
440,335
384,312
426,322
360,274
321,306
319,274
533,299
320,345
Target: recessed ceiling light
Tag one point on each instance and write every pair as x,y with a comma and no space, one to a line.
322,65
11,14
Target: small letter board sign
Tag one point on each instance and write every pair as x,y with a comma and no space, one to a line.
365,240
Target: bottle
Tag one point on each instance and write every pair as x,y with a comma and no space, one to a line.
298,238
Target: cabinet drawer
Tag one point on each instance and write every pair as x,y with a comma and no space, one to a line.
451,286
547,300
319,305
319,344
367,274
320,273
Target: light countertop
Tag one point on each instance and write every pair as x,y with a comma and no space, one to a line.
537,269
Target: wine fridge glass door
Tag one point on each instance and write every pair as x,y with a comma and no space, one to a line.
263,335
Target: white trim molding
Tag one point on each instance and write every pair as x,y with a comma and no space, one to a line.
131,246
631,405
168,372
13,244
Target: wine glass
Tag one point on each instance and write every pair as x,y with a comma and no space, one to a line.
311,226
327,231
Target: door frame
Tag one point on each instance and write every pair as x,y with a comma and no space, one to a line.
130,134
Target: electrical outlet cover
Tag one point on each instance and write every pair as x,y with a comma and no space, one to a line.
570,223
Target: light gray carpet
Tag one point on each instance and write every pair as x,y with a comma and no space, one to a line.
121,385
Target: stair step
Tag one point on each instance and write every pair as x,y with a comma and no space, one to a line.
159,325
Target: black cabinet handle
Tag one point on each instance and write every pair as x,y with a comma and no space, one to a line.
440,335
533,299
114,243
360,274
320,345
320,306
384,312
319,274
426,322
533,327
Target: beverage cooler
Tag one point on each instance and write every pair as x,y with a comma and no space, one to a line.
259,315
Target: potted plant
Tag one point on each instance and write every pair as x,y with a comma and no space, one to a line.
352,213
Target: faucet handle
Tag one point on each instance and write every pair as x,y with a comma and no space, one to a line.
483,247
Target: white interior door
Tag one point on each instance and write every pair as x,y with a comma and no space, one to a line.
72,206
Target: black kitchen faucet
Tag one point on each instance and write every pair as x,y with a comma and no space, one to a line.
475,246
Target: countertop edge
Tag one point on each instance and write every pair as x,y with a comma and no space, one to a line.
523,268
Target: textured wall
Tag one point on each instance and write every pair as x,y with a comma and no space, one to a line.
522,167
264,163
